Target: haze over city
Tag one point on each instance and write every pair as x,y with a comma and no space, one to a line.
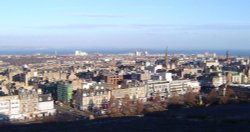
112,24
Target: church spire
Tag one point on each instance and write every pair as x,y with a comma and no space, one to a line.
249,60
166,58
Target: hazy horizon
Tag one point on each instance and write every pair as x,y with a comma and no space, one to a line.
67,51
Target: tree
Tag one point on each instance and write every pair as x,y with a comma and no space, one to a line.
242,97
139,107
175,100
113,107
230,92
213,97
157,100
224,100
228,96
190,98
126,106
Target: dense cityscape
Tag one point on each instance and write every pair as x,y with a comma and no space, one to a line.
87,86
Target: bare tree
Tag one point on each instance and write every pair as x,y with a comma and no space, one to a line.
175,100
228,96
242,97
213,97
190,98
139,107
113,107
126,106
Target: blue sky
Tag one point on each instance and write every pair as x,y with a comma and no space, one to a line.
178,24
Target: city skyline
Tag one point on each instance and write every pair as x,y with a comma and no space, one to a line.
125,24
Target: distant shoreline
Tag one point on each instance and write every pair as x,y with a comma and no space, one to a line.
243,53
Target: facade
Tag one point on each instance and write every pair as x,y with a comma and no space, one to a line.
54,75
210,63
64,91
154,69
86,99
46,105
28,102
158,88
26,105
218,80
178,87
134,92
9,107
141,76
113,79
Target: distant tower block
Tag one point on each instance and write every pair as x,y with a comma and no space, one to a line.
55,52
166,59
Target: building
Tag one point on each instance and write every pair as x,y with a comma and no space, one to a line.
218,80
28,102
154,69
54,75
210,63
26,105
9,108
143,76
180,87
158,88
194,86
64,91
113,79
134,92
90,99
46,105
80,53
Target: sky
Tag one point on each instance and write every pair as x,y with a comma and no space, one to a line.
125,24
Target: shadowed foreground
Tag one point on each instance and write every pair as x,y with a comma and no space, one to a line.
235,117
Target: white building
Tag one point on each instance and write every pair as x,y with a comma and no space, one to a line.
194,86
153,69
180,87
209,63
138,53
46,105
157,88
9,108
80,53
17,107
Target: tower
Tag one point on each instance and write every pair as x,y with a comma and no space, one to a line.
248,74
227,56
166,59
249,61
113,62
